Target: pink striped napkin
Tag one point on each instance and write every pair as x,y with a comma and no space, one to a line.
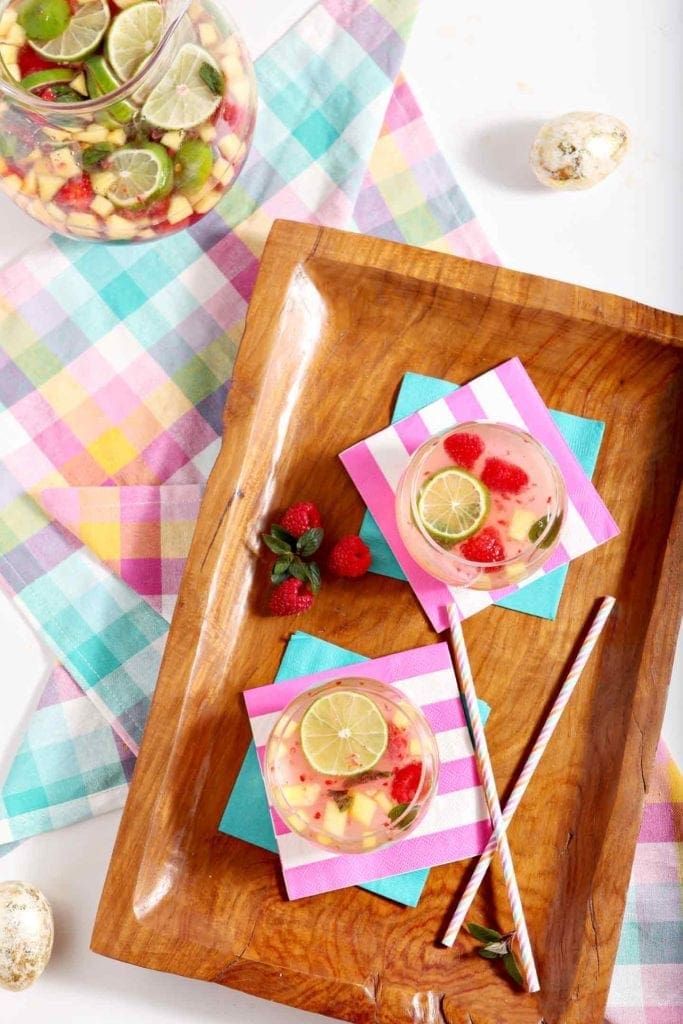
505,394
457,824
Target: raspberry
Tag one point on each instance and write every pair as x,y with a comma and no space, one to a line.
77,193
499,475
464,449
300,517
405,782
398,741
349,557
290,598
485,546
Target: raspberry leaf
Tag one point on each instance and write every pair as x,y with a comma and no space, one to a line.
478,931
278,577
282,564
277,546
309,541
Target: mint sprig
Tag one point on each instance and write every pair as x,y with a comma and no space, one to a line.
497,947
292,554
212,78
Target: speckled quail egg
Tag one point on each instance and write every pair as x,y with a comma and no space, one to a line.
578,150
26,933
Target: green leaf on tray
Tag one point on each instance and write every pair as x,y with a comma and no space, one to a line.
281,534
478,931
277,546
511,967
309,541
312,571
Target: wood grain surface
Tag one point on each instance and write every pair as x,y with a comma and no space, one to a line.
335,321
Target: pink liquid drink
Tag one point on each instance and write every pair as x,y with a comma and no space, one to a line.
382,763
481,505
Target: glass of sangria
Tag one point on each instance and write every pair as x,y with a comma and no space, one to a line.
121,119
351,765
481,505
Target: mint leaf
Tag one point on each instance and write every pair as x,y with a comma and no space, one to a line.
297,569
94,155
396,812
510,965
278,547
212,78
537,528
342,798
478,931
312,571
369,776
279,531
309,541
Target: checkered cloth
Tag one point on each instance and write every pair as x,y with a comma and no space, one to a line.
114,368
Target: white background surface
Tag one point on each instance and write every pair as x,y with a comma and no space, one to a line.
487,74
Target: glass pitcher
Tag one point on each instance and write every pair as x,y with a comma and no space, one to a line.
96,155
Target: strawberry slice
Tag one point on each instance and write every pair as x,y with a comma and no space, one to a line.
76,194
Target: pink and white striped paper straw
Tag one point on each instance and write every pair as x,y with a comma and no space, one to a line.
499,838
530,766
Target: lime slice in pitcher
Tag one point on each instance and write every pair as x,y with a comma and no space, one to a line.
133,37
81,36
182,99
452,504
141,175
343,733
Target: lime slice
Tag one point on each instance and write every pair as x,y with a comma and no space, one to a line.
133,37
182,99
83,33
141,175
194,162
42,20
50,76
102,80
452,504
343,733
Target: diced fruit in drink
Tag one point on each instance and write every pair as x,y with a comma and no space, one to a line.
515,571
503,476
133,36
140,175
452,504
102,207
207,202
29,186
207,132
229,146
370,842
486,546
343,733
76,194
83,220
182,99
82,34
520,524
78,85
39,79
193,164
64,163
384,802
334,820
16,36
116,136
102,181
363,809
179,209
43,20
172,140
414,748
302,796
400,720
8,19
118,227
93,133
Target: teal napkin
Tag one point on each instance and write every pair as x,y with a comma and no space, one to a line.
584,437
247,816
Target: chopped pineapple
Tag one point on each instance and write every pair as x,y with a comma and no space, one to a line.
207,133
231,66
102,181
514,571
290,729
172,140
219,168
117,137
119,227
400,720
64,164
207,202
7,20
78,85
29,185
9,53
93,133
363,809
102,207
229,45
240,89
16,35
369,843
334,820
207,33
179,208
384,802
56,212
229,146
14,72
520,524
86,222
304,795
56,134
414,747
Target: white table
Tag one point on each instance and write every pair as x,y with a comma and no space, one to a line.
487,73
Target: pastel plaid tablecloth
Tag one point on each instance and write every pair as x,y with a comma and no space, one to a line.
114,369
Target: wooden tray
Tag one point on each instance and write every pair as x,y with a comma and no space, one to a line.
335,321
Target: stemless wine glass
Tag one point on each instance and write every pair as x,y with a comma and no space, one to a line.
351,765
481,505
127,163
